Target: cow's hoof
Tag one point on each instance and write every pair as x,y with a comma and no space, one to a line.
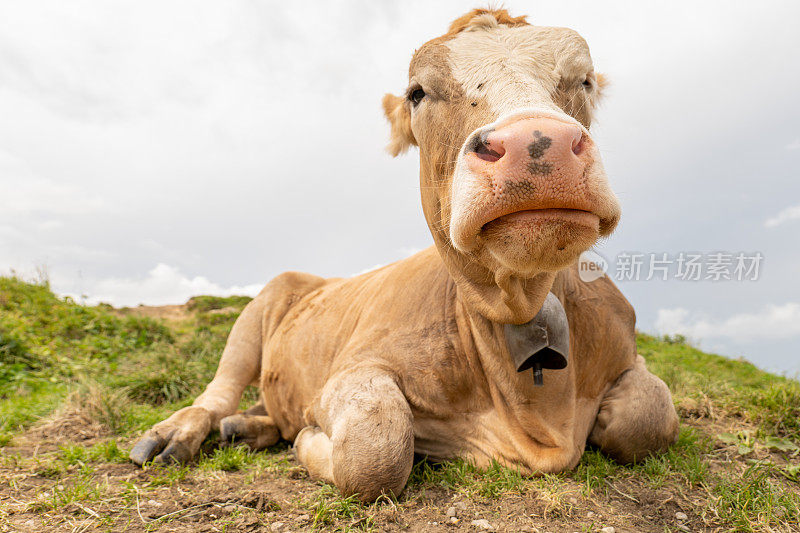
176,439
176,452
257,431
146,449
232,429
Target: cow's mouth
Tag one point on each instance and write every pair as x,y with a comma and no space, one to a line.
527,217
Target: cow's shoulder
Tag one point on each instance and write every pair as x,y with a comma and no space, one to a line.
602,329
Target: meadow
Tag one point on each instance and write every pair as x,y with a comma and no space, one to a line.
79,383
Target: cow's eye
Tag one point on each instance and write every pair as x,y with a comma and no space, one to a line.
587,83
416,95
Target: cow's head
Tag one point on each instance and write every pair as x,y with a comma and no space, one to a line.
513,187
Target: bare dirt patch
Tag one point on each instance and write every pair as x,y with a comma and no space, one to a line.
269,492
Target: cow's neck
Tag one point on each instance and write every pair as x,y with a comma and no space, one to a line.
499,297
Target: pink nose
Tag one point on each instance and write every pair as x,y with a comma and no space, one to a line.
530,149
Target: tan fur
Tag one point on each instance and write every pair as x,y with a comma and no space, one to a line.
624,430
361,373
484,18
401,136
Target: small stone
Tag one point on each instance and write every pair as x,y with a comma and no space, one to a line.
453,520
276,526
303,517
573,500
483,524
154,503
461,505
451,512
681,516
608,529
590,514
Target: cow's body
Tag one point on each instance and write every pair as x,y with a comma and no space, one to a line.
452,365
362,373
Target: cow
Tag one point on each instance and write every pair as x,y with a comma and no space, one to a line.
361,374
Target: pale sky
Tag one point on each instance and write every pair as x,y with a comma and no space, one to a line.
150,151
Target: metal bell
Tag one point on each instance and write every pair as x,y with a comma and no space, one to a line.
541,343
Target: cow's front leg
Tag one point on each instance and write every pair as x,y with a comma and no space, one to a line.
254,427
636,417
361,435
178,438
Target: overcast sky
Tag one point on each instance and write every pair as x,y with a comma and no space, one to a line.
150,151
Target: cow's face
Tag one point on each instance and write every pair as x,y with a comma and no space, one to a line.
511,178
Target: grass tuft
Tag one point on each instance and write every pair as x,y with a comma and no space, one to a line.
204,304
754,501
229,459
329,507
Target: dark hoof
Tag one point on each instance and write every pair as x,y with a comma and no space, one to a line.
145,449
230,429
176,452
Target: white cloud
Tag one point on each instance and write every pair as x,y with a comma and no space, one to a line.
22,192
47,197
790,213
242,139
773,322
163,285
50,224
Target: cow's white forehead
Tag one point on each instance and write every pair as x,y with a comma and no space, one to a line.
516,67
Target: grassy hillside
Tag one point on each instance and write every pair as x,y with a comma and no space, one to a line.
78,384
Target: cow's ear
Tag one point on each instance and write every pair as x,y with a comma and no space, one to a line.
602,83
399,117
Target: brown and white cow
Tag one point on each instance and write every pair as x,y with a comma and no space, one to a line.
361,373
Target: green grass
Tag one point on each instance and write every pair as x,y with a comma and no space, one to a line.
700,381
23,402
103,452
462,476
753,500
229,459
203,304
329,507
685,464
168,475
81,488
128,372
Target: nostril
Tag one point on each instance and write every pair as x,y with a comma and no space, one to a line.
577,143
487,150
487,154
